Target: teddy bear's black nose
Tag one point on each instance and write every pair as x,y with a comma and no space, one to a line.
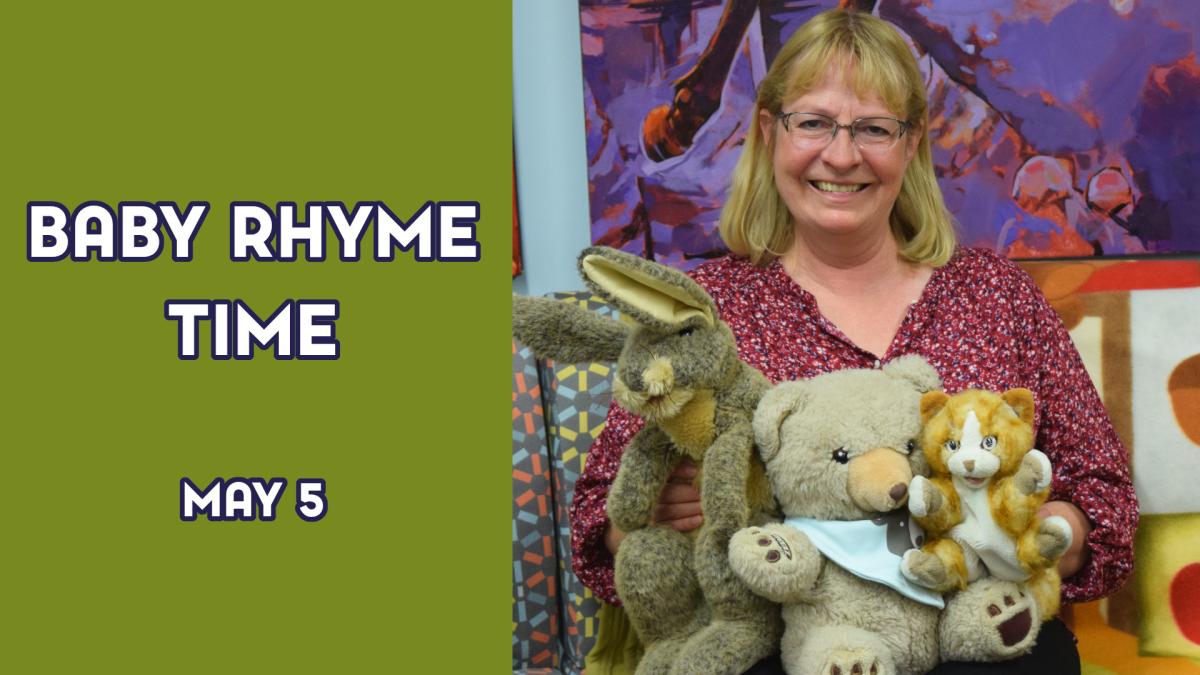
898,491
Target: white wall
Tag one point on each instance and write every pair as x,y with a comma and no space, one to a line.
552,190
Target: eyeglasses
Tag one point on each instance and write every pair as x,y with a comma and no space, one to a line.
872,134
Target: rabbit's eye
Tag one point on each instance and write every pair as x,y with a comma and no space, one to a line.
687,331
841,456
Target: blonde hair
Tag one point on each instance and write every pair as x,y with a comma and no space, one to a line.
755,222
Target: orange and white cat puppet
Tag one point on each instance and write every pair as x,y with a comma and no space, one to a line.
979,506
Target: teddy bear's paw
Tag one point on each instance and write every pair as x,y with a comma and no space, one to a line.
1035,473
925,569
1054,537
758,547
839,649
923,497
854,662
775,561
991,620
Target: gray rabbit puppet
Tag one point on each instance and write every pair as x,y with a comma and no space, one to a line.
678,368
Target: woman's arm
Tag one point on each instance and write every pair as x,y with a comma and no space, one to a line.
591,556
1092,487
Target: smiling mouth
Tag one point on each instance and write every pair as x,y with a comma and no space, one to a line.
974,482
825,186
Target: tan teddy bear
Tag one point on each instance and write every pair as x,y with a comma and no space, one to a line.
840,452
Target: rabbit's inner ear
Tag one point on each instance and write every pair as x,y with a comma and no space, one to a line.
662,299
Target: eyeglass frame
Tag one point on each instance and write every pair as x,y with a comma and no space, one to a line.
905,125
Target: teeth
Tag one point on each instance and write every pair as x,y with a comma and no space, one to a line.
834,187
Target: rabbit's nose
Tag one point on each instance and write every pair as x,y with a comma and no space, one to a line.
658,377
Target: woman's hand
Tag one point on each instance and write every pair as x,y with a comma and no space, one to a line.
678,506
1077,554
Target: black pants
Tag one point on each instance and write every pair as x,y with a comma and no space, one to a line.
1054,654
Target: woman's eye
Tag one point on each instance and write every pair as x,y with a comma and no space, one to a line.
952,446
841,456
876,131
988,443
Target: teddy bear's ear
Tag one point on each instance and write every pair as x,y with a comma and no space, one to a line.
773,409
652,294
931,404
916,371
1021,401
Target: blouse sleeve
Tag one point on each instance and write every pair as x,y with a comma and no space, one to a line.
590,558
1091,465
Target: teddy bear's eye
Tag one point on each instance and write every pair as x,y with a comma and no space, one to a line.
686,331
951,445
841,456
988,443
910,446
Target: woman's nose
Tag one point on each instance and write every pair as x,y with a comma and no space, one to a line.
841,153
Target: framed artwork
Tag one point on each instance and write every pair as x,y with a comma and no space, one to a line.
1059,129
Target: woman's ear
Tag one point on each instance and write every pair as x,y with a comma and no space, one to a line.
766,124
912,140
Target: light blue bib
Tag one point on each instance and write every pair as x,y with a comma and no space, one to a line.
870,549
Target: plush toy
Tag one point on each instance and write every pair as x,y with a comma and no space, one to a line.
678,368
979,508
840,452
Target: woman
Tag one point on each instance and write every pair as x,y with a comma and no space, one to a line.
844,257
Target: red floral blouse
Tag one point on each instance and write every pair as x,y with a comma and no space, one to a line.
982,323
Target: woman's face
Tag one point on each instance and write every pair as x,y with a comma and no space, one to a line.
837,187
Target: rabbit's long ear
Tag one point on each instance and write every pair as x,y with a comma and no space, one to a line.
566,332
651,294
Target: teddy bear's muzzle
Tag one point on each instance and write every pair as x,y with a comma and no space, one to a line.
879,480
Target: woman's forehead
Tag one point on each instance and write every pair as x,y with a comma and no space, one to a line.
836,92
843,80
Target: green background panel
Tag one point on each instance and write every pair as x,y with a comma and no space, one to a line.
409,571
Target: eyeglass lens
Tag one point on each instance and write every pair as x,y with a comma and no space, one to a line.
874,132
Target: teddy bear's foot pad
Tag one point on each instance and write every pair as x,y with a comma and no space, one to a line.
841,650
851,664
991,620
1015,629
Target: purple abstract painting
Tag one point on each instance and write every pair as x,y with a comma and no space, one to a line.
1060,128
